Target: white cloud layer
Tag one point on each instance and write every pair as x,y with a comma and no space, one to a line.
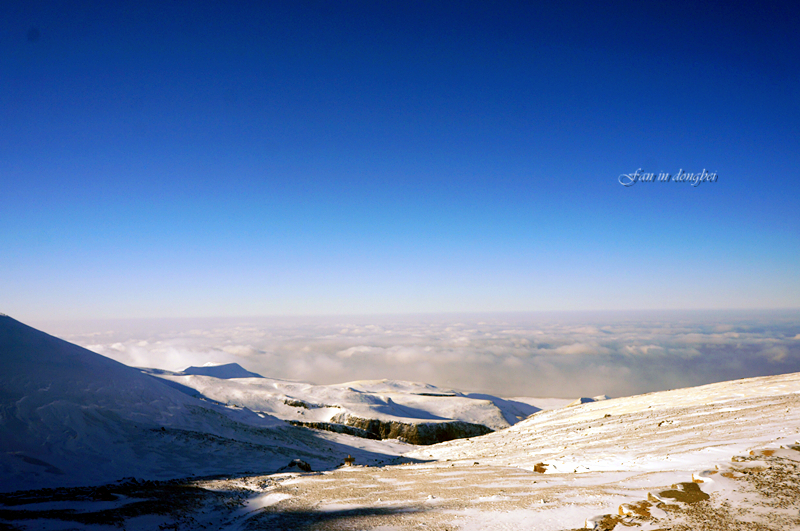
560,355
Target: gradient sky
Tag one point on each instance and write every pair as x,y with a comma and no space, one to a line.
190,159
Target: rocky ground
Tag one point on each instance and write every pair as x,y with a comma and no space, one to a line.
753,492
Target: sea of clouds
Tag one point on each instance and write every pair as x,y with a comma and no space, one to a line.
535,354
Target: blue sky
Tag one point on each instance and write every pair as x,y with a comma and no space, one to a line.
191,159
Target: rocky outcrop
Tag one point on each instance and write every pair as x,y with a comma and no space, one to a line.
414,433
336,428
296,402
297,463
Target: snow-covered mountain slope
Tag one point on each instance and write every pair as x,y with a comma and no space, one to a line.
389,402
718,457
657,431
69,416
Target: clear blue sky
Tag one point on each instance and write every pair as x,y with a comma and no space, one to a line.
162,159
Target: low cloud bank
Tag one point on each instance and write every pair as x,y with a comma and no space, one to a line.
558,355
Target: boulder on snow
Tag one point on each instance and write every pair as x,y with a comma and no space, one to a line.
297,463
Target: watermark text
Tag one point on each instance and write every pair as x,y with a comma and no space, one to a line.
629,179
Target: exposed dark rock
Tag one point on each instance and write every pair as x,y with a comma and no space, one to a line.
414,433
337,428
296,402
298,463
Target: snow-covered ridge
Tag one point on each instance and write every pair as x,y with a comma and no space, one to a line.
70,417
385,408
676,429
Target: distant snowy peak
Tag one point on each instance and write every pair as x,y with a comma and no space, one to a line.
585,400
225,372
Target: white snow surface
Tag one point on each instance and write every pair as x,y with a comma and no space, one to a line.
669,430
408,402
71,417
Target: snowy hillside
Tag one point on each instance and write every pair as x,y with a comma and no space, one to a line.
718,457
667,430
724,456
381,408
69,416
